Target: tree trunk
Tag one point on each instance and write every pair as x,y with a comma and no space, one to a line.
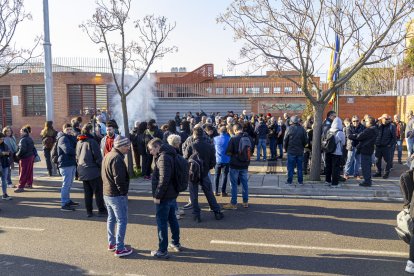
315,173
126,133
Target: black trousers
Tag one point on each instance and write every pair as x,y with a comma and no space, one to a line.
146,164
137,157
383,152
92,187
46,152
332,168
306,159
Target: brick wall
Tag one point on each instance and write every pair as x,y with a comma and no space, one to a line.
60,81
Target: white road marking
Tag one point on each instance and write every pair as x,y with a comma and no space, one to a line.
22,228
316,248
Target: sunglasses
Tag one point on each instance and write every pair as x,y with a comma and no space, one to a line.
355,121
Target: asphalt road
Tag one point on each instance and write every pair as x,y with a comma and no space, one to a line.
274,236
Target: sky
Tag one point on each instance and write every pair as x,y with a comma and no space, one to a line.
198,37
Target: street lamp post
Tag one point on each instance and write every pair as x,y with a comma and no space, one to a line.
48,63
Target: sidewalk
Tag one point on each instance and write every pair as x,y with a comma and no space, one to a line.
267,179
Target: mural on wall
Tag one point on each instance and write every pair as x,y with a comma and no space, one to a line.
287,107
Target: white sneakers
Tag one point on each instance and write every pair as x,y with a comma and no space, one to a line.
410,267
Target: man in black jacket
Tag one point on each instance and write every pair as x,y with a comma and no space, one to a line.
165,197
353,160
207,154
115,179
295,142
365,147
238,168
385,141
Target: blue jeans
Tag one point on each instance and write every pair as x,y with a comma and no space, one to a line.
280,146
117,207
68,174
235,175
4,177
295,160
410,144
261,145
399,148
206,186
218,168
353,163
272,146
166,215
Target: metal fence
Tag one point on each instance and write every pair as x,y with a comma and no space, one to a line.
405,86
67,64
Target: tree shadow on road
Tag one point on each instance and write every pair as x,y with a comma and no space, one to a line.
16,265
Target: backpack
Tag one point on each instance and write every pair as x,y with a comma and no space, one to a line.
245,152
54,153
48,142
181,173
328,142
195,170
404,226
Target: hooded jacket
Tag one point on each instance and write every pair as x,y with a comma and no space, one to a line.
66,150
88,157
295,140
163,183
337,128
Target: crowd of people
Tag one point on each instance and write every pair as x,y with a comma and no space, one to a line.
94,154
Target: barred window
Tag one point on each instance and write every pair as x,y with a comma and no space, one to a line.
84,99
34,100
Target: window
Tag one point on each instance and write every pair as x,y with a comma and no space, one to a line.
276,90
240,90
299,89
288,89
219,90
253,90
229,90
34,100
209,90
266,90
85,99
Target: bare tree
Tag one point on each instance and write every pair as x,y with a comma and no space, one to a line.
11,15
108,28
299,35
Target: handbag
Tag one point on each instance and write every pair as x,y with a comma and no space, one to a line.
37,157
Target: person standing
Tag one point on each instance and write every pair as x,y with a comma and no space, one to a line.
261,131
400,131
165,197
150,133
386,139
48,134
409,133
206,153
353,161
66,151
273,132
25,154
10,141
89,160
295,141
239,164
333,159
115,179
5,165
281,137
107,141
220,143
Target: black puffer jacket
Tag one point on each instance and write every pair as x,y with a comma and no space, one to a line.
387,136
206,151
163,185
26,147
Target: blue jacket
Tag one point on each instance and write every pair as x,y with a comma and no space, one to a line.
220,143
66,150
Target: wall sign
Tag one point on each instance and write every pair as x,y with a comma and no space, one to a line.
15,100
